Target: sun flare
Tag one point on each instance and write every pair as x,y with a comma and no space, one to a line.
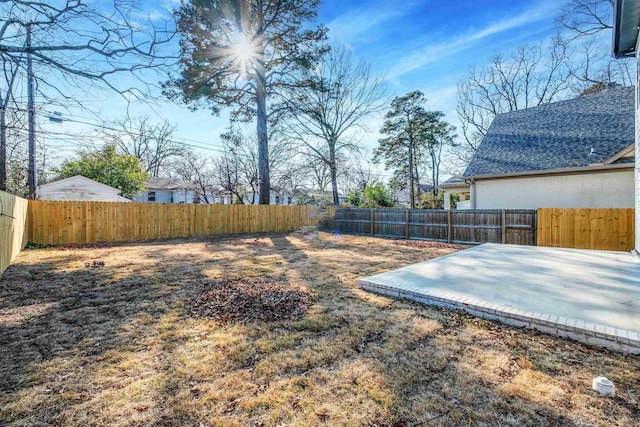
244,52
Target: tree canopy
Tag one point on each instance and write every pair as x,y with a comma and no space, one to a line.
240,53
413,142
121,171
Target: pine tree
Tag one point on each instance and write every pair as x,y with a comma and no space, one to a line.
240,53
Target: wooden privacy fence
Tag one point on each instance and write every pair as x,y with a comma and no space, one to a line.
466,227
70,223
604,229
13,218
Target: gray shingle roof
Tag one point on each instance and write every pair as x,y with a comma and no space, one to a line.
455,181
558,135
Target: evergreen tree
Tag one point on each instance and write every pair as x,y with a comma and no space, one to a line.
414,141
242,52
119,171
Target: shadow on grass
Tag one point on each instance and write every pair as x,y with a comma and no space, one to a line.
117,344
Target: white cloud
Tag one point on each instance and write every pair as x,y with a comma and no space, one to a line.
360,24
427,53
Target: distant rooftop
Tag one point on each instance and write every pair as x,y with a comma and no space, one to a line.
454,181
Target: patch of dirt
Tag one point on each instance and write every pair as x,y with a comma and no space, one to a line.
250,300
425,244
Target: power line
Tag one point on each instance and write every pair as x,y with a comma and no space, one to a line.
177,140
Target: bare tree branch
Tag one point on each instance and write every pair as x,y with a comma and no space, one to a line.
329,105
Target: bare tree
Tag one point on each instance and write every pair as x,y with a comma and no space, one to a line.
227,176
587,17
357,175
330,103
243,152
86,43
8,117
199,170
587,25
153,144
439,134
318,169
593,66
530,76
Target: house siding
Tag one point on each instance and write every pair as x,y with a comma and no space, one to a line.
274,199
168,196
637,169
78,189
587,190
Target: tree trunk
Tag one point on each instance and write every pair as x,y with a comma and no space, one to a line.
435,173
419,191
3,150
334,179
263,138
411,186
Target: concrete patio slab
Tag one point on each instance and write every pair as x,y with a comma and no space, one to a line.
590,296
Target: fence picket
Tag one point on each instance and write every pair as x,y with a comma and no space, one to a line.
70,223
604,229
446,226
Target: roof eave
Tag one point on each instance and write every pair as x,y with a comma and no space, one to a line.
453,185
617,29
581,169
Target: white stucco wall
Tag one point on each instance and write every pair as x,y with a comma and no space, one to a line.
637,170
450,191
587,190
463,205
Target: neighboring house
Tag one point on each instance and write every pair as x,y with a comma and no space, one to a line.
252,198
168,190
285,198
625,44
79,188
577,153
456,185
275,198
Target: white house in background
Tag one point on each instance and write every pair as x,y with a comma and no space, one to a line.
577,153
254,199
79,188
456,185
168,190
625,44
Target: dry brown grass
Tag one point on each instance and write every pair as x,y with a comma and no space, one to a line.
116,344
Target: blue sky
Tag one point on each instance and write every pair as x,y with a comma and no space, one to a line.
429,45
417,44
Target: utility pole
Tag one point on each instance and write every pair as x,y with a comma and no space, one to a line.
32,182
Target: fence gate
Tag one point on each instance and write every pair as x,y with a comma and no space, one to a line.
465,227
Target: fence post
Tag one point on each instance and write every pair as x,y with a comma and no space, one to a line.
372,222
408,213
504,227
536,234
449,226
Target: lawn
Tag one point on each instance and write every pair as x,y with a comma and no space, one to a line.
118,335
